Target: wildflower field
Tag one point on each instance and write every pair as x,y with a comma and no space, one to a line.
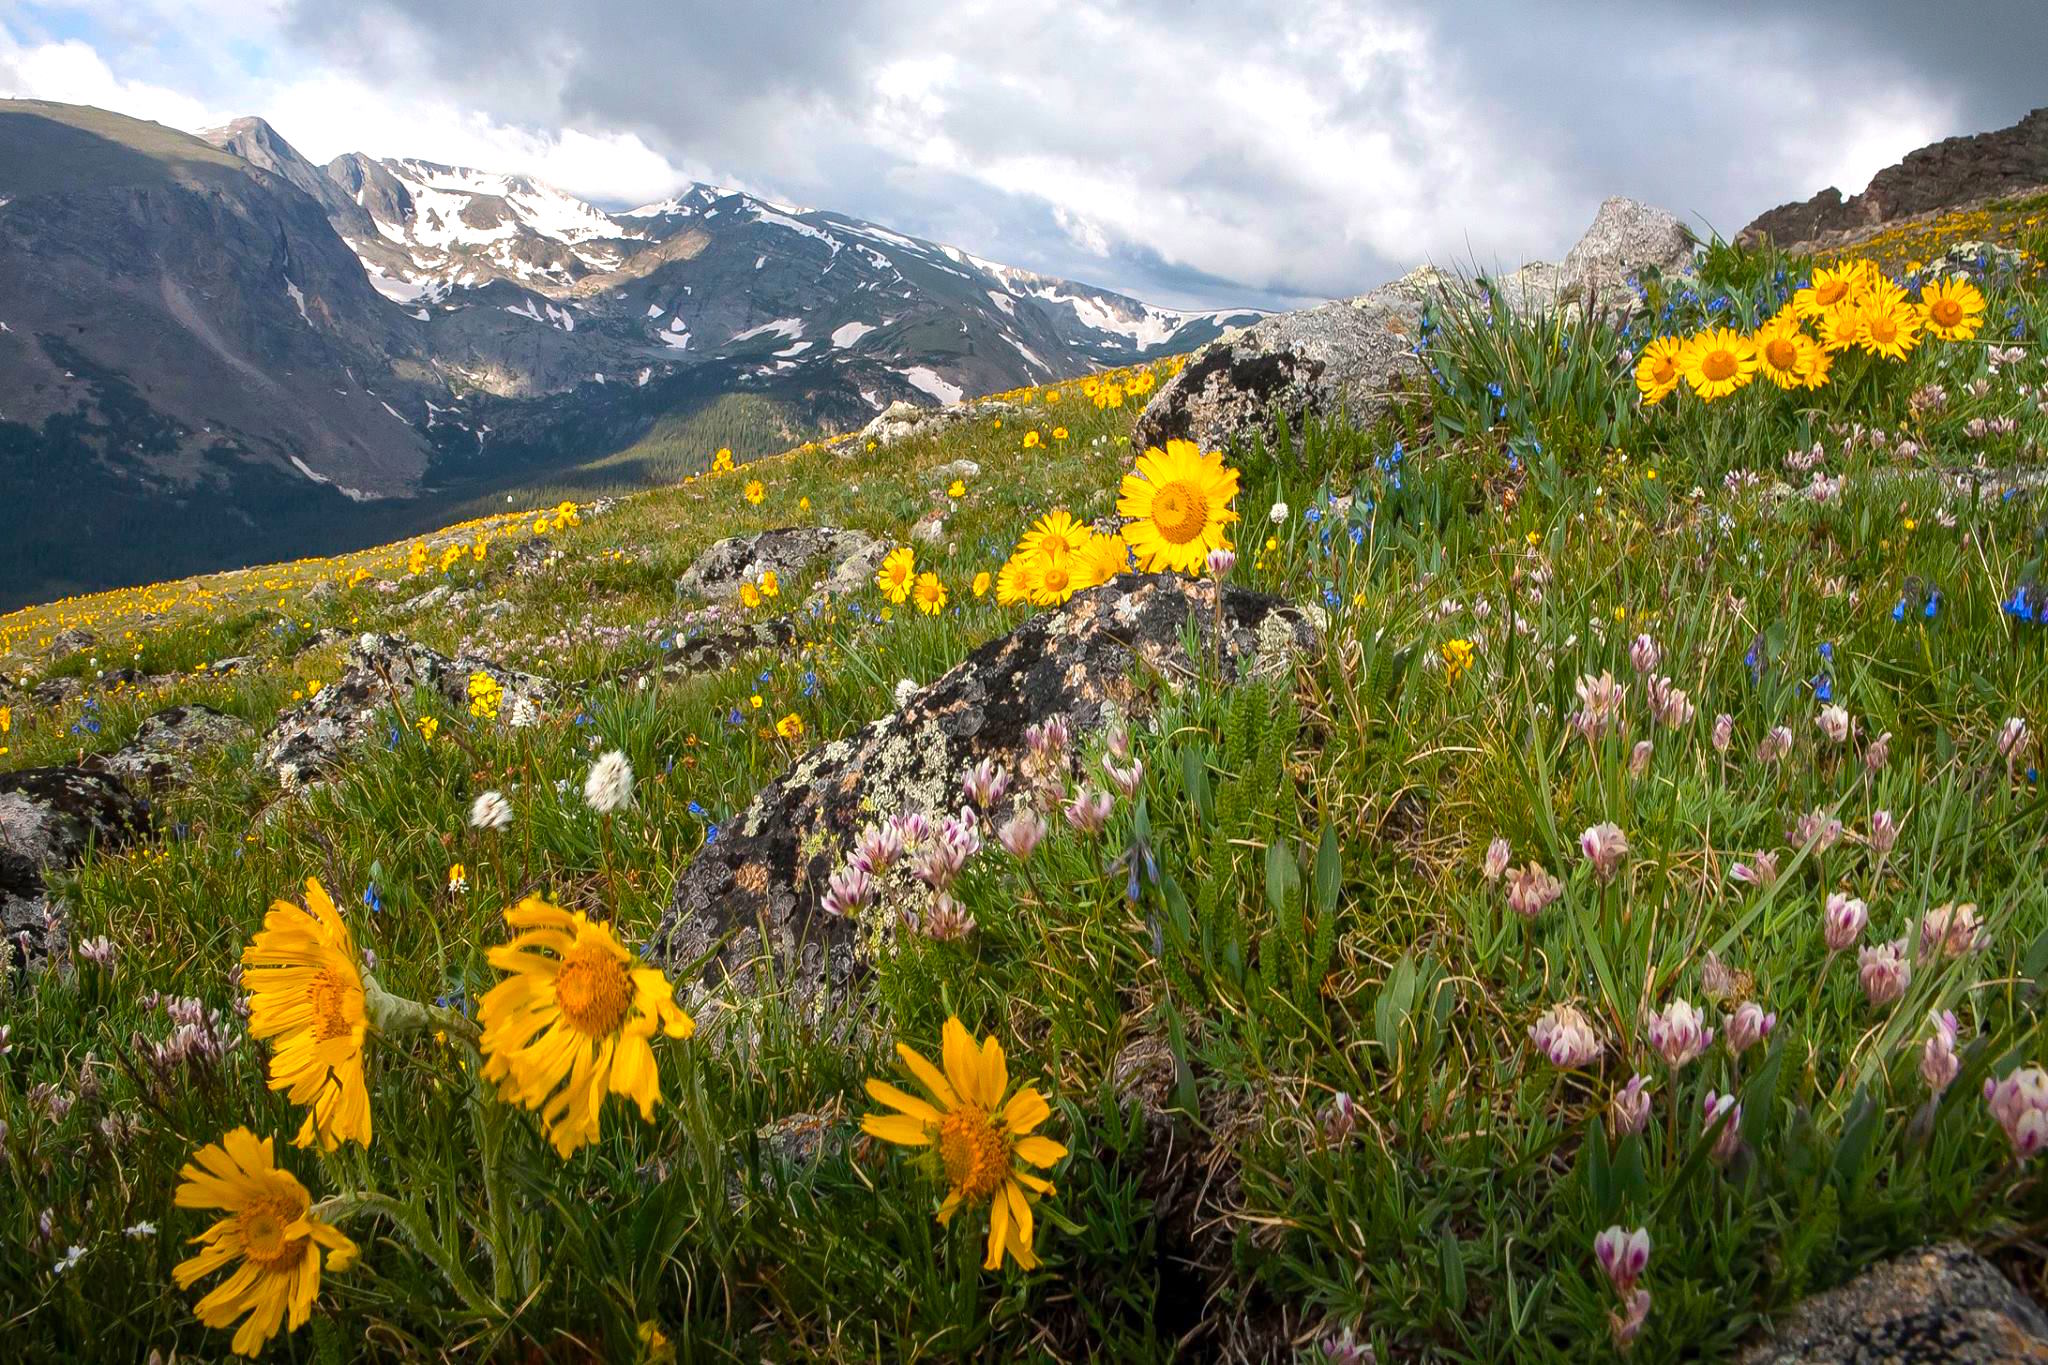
1630,919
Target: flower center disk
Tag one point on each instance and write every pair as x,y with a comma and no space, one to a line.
1946,312
593,991
324,996
976,1157
1782,354
262,1224
1180,511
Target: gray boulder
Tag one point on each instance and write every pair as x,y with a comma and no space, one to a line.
310,738
1945,1303
1100,655
789,550
164,746
1626,239
49,817
1340,359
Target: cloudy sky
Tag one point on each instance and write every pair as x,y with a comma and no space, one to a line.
1191,152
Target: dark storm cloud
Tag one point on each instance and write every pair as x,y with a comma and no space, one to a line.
1222,153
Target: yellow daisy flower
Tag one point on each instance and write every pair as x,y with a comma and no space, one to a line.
1104,557
722,462
1830,289
572,1021
980,1138
1657,369
771,586
755,492
790,726
930,593
1013,582
1059,433
1050,582
981,581
1891,328
1817,373
270,1227
1055,535
897,573
1717,362
1784,353
1954,308
1840,328
750,596
1031,440
1178,500
305,989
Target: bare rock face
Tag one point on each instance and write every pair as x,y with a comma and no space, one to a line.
161,753
311,737
1340,358
49,817
1107,652
1945,1303
1945,174
1352,357
788,551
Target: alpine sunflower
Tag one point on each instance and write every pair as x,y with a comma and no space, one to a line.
1050,582
930,593
306,996
1717,362
1831,289
1657,371
572,1021
1784,353
270,1226
897,574
1840,328
1817,373
1179,502
1954,308
1013,582
1891,327
1104,557
980,1138
1053,536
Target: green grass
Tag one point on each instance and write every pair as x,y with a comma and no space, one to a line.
1319,923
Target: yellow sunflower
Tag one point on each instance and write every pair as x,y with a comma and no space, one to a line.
1953,307
1104,557
1179,503
572,1021
1891,327
1840,328
1053,536
305,988
1784,353
898,573
1817,372
270,1226
980,1137
1050,582
1657,369
930,593
1717,362
1831,289
1013,582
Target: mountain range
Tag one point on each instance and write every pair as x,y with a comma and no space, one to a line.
214,351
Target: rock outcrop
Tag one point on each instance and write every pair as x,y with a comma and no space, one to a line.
49,817
1946,1303
788,551
1106,652
309,738
164,746
1947,174
1351,358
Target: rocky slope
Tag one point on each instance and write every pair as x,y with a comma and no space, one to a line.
213,351
1946,174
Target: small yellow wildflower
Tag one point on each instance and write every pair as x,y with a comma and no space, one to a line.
930,593
750,596
980,590
756,492
771,586
429,726
1457,655
957,489
1031,440
790,726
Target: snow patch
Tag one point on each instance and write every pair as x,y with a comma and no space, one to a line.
926,380
298,297
846,334
791,328
352,494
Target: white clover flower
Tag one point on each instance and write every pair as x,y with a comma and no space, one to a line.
1278,514
609,787
491,811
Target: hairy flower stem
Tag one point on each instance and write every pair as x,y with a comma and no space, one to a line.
412,1223
394,1016
491,1118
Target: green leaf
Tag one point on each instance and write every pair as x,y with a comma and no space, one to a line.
1453,1257
1283,877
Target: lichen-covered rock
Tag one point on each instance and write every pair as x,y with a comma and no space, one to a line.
164,746
789,551
1107,652
1945,1303
308,738
69,641
901,421
1340,358
716,650
49,817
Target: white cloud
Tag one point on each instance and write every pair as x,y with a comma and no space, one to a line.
71,72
